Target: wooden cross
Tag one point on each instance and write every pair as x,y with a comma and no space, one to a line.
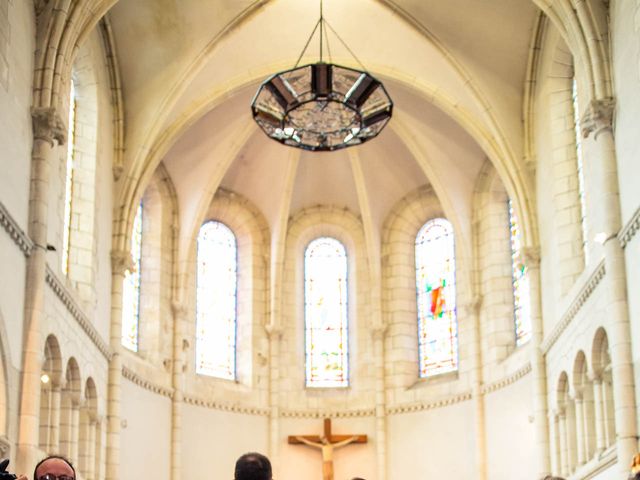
327,443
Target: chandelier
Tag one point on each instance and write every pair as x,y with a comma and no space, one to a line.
322,106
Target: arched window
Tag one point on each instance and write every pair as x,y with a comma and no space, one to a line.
521,295
68,188
436,297
131,288
326,313
579,167
216,312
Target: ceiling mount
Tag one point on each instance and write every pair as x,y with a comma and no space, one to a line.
322,106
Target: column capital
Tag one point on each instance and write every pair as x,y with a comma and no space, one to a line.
379,330
472,306
273,331
121,261
179,309
531,256
598,116
48,125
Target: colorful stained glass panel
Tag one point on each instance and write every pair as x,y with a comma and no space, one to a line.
217,279
131,288
436,297
521,298
326,314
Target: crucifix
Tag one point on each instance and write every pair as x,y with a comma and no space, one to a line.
327,443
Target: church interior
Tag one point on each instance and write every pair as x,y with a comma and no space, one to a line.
458,297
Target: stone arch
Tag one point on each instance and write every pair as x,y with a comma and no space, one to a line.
80,224
157,282
492,264
399,307
50,381
305,226
553,119
252,236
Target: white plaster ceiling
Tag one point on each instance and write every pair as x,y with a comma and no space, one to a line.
455,69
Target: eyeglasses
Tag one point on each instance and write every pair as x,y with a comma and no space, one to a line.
51,476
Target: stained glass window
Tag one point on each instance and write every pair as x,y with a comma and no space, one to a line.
579,166
217,278
521,299
68,185
436,297
326,313
131,288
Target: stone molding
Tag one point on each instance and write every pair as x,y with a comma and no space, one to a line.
630,229
72,306
226,407
585,292
419,407
146,384
19,237
369,412
508,380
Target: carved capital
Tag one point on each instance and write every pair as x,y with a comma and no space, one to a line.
179,310
472,306
117,172
379,330
531,256
5,447
48,126
274,331
121,261
598,117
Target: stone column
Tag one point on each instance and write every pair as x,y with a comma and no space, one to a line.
471,311
180,346
54,433
580,431
564,445
380,398
553,441
75,430
538,366
598,411
598,122
89,473
48,132
120,262
275,337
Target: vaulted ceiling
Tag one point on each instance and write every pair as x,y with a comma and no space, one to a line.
455,69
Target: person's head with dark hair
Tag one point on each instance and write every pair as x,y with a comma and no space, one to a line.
253,466
54,467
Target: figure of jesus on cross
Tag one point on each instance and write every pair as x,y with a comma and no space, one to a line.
327,443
